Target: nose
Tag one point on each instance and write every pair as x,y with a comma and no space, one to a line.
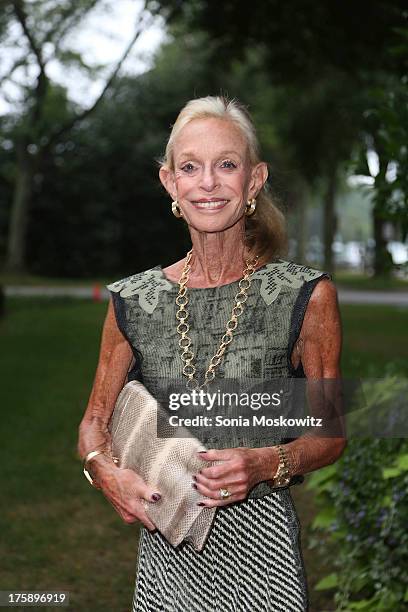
208,179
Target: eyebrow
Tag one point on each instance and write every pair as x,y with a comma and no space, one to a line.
221,154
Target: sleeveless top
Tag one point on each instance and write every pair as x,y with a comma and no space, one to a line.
262,344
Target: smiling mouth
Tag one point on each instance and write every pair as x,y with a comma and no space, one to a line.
210,204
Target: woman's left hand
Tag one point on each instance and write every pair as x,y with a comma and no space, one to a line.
240,470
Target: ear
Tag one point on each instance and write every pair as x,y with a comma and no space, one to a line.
167,180
259,175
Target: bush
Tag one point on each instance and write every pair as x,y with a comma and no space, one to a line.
363,511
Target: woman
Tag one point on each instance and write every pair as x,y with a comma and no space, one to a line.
289,326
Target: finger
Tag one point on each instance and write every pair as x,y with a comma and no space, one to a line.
146,521
129,495
215,484
215,503
142,491
207,492
215,454
228,468
150,495
214,493
134,512
223,470
125,514
131,517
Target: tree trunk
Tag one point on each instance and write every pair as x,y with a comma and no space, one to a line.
300,197
302,231
329,219
16,244
383,263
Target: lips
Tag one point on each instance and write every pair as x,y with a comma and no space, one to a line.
210,204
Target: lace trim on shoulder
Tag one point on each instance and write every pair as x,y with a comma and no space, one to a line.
147,285
282,273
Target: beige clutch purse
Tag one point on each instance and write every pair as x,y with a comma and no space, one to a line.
166,464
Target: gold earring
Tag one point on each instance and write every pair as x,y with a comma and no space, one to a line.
250,207
175,209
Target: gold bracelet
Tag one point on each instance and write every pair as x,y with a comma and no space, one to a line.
88,458
283,473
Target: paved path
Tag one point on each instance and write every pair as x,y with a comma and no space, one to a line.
391,298
75,292
346,296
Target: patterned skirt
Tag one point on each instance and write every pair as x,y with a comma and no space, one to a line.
251,562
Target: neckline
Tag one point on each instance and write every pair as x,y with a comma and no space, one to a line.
176,285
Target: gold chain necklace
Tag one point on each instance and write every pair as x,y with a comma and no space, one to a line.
183,327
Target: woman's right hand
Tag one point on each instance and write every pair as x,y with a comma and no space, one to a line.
124,489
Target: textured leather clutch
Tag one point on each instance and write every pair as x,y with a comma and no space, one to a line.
166,464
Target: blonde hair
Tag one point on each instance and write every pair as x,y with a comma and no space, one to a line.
265,230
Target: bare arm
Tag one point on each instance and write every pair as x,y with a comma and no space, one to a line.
319,349
123,488
115,357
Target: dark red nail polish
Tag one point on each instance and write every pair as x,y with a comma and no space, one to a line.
199,452
156,497
200,504
194,477
193,484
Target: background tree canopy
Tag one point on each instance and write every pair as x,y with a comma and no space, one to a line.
79,189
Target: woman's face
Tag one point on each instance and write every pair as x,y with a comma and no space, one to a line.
212,178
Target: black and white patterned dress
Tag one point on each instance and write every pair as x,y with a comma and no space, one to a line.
252,560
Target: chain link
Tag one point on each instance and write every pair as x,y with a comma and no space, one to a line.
183,327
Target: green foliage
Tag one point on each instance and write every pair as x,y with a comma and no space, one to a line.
362,510
386,130
379,406
328,582
343,87
114,218
96,186
300,40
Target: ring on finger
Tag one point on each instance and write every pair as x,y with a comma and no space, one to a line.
224,493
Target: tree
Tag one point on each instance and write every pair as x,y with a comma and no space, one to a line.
384,133
325,56
98,208
40,123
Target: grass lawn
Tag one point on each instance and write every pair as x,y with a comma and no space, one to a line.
57,531
353,280
374,336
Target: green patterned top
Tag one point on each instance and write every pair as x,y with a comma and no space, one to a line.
262,344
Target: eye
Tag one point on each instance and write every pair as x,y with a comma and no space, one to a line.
188,168
228,164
